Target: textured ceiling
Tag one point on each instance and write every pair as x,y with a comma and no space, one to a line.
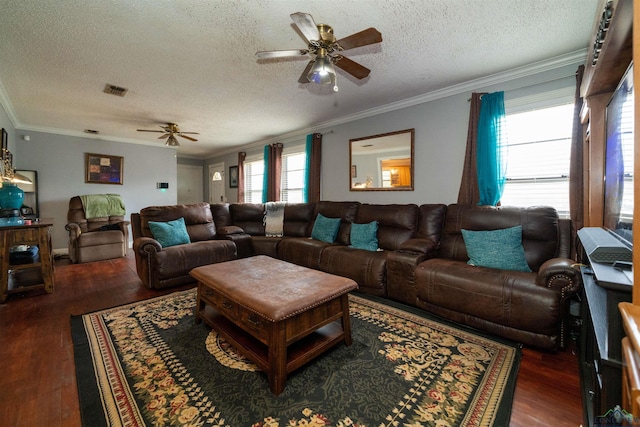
193,62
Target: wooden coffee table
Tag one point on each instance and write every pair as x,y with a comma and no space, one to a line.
279,315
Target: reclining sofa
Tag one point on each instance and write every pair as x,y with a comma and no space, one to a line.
420,258
161,266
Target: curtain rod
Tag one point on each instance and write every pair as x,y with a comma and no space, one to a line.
539,83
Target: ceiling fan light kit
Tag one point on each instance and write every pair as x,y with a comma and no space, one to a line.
323,48
170,130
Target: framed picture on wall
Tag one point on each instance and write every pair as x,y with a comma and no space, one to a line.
233,176
5,142
103,169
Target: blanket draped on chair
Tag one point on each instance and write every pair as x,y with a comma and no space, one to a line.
102,205
274,219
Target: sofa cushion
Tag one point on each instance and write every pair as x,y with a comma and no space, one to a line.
540,231
197,218
364,236
249,217
170,233
496,248
346,211
302,251
508,298
396,222
368,269
325,229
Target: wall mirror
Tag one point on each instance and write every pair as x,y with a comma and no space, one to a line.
382,162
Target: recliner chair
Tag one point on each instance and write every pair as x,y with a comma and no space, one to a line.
98,238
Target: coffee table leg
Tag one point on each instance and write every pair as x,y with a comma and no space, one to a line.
277,357
346,319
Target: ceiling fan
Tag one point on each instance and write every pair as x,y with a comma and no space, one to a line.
324,50
170,130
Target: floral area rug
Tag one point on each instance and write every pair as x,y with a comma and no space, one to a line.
148,363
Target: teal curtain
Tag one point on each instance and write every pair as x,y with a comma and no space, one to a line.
490,156
308,149
265,176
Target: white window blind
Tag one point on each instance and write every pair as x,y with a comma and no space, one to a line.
538,158
253,180
292,183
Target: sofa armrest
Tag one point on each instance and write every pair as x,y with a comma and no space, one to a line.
401,266
562,274
146,245
123,225
74,230
229,230
242,240
419,246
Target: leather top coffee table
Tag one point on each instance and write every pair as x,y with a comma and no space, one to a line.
279,315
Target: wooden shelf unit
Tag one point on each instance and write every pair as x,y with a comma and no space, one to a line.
28,276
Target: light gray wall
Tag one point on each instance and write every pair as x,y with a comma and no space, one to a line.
440,141
59,161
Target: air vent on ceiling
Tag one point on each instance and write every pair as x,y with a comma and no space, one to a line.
115,90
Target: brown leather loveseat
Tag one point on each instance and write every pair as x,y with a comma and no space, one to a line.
162,267
525,306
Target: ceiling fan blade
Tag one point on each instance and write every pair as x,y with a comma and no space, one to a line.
306,25
363,38
147,130
303,77
266,54
191,133
356,70
187,137
164,136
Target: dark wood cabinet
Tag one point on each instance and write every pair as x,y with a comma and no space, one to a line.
20,277
600,347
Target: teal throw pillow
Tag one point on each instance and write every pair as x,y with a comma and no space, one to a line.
364,236
325,229
170,233
496,248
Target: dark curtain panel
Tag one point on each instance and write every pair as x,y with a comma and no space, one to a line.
469,192
274,172
576,172
241,156
314,163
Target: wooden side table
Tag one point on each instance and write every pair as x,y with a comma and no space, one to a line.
36,234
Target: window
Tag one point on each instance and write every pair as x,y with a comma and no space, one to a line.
253,175
292,182
538,158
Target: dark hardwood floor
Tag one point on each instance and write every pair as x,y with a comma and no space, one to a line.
37,371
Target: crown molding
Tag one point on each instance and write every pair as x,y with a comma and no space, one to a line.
8,107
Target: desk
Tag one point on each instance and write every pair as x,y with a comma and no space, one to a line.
37,274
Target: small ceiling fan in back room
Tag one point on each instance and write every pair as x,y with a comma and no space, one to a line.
170,130
325,50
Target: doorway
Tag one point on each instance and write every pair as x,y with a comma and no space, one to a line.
190,189
217,182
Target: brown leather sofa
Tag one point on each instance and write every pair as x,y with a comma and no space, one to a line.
422,261
162,267
95,239
397,229
528,307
